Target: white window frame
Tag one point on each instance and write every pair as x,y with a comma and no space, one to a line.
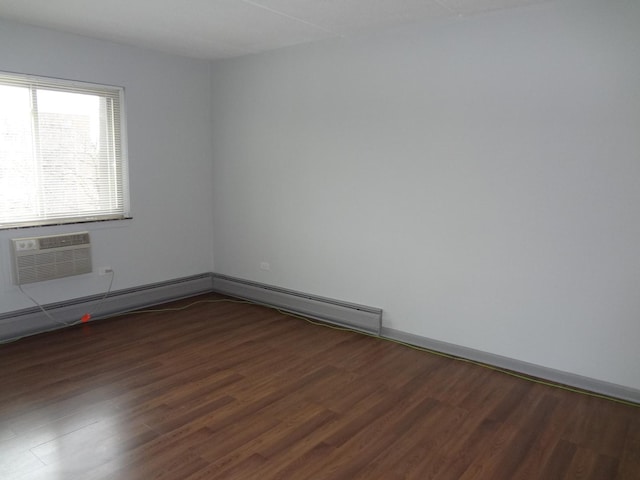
114,178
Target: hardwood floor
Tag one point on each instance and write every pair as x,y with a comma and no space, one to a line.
236,391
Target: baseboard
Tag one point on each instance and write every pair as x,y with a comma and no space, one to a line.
30,321
533,370
357,317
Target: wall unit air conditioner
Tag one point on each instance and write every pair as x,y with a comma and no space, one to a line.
56,256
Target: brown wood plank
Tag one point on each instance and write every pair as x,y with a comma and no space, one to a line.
227,390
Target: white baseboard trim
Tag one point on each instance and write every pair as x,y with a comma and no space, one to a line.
530,369
358,317
30,321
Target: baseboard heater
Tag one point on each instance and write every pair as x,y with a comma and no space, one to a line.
359,317
29,321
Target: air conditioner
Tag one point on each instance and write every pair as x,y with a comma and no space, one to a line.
56,256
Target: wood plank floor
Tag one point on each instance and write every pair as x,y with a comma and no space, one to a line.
236,391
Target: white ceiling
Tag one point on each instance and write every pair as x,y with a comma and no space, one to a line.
215,29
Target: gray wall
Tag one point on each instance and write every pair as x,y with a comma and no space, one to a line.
169,129
478,179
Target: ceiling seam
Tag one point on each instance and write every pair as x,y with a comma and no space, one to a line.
447,7
291,17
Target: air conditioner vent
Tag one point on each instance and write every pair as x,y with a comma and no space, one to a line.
58,241
57,256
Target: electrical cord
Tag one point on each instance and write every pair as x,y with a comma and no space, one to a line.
43,310
380,337
86,317
474,362
405,344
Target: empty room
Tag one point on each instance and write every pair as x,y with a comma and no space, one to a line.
320,239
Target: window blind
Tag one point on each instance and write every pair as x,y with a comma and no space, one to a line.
62,154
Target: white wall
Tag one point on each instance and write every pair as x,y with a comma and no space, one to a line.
478,179
169,129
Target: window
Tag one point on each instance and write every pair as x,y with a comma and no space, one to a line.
62,154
